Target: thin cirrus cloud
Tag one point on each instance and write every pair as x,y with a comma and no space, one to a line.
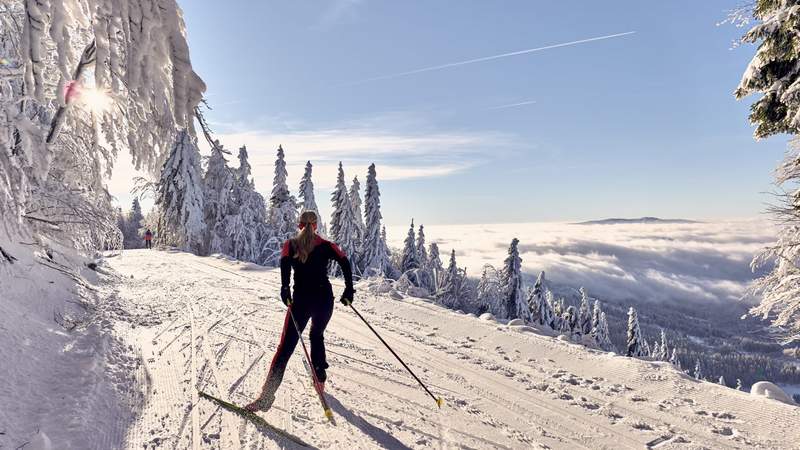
488,58
513,105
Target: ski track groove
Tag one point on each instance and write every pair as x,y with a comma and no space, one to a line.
484,394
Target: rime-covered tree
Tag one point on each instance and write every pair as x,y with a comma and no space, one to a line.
555,307
244,172
218,184
131,236
773,73
409,259
674,359
585,314
245,228
646,350
569,324
391,269
450,292
374,254
282,205
488,291
511,285
635,342
601,335
541,312
698,371
739,386
307,200
662,352
721,381
179,197
343,226
422,253
435,263
355,202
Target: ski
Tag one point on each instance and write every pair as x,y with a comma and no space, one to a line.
255,419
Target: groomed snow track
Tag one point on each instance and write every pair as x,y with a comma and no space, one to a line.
213,324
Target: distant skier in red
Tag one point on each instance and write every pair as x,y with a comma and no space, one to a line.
309,256
148,239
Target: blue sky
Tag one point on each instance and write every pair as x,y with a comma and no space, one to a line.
641,124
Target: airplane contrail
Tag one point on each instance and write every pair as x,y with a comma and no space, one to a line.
513,105
489,58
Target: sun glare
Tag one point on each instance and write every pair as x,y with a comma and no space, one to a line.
96,100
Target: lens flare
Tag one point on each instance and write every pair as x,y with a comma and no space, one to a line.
96,100
5,62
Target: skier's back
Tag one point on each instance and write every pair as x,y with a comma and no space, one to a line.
148,238
308,255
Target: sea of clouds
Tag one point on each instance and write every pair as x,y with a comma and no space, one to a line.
707,261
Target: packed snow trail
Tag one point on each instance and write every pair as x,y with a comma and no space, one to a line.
212,324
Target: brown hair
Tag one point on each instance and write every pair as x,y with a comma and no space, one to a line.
303,243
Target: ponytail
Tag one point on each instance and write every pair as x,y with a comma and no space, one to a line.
303,243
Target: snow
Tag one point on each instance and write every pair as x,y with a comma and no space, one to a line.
771,391
167,321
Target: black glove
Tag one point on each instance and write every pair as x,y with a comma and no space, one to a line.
347,295
286,296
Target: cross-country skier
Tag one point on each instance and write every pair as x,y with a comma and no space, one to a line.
148,239
308,255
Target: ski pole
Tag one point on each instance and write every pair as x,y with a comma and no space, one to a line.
438,400
310,367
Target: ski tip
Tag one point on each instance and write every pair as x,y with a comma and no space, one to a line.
439,401
329,413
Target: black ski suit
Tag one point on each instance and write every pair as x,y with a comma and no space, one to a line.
312,299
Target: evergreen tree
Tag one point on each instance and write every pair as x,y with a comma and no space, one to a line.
698,371
355,201
122,224
218,183
584,314
722,381
511,285
449,295
391,270
539,309
282,205
435,263
596,310
739,386
245,170
772,73
245,228
569,323
636,342
601,335
308,200
663,350
374,256
179,197
555,306
343,226
674,359
488,291
131,236
422,254
409,259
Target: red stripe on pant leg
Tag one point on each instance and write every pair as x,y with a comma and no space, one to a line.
283,338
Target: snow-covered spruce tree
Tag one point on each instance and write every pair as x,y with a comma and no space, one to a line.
391,268
646,350
343,226
355,202
409,259
739,386
132,237
450,293
218,200
282,205
698,371
435,263
179,198
488,291
569,324
635,342
585,314
773,72
554,306
245,228
511,285
721,381
662,354
674,359
601,335
541,313
422,253
308,200
374,259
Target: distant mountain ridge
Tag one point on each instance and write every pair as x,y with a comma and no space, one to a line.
642,220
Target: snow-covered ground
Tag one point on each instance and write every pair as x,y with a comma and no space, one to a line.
165,322
214,324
